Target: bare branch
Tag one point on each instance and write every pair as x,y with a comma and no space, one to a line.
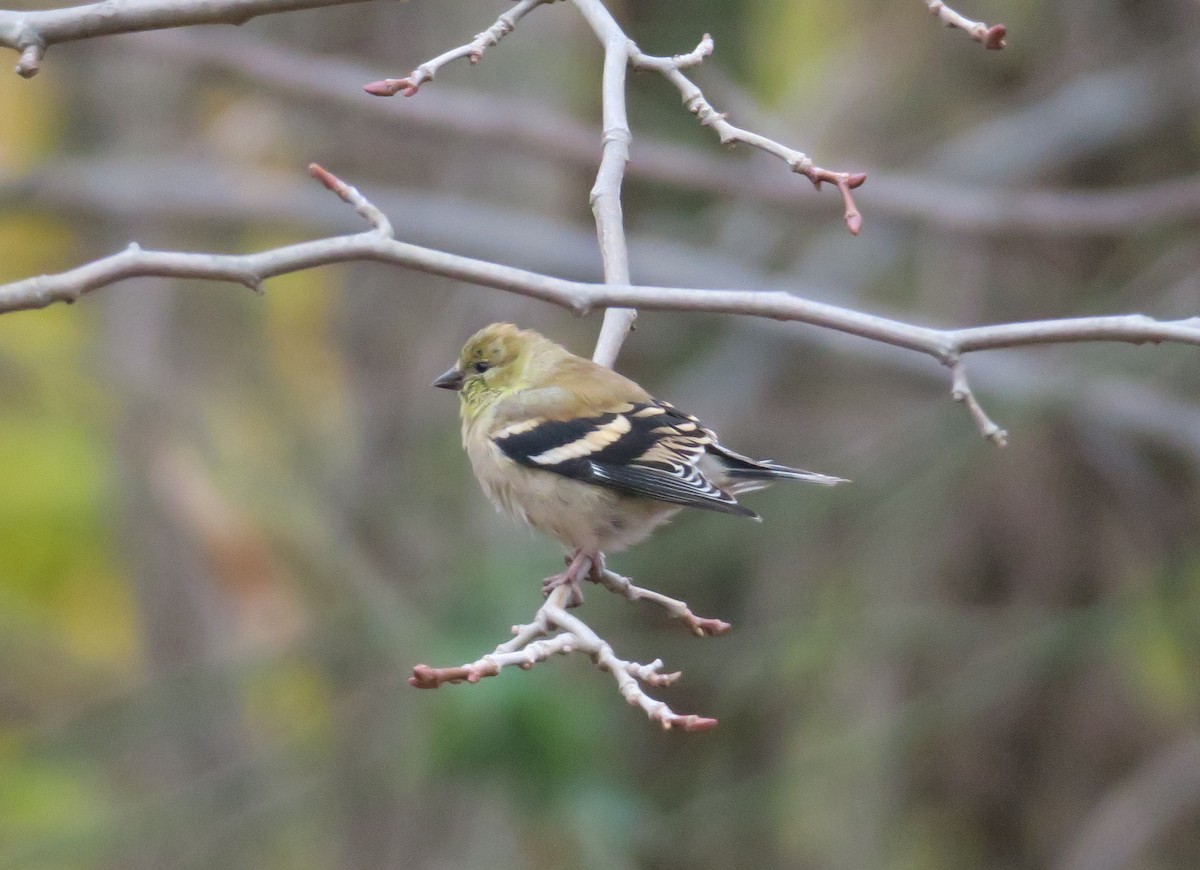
625,673
620,51
605,195
200,191
605,198
525,650
948,346
31,60
701,626
31,32
425,677
730,135
960,391
473,51
501,120
944,345
351,196
991,37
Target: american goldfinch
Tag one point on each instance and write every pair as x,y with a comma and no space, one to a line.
586,455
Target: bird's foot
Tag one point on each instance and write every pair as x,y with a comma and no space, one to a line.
554,581
596,567
580,566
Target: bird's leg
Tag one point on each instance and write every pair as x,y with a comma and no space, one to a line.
598,567
580,564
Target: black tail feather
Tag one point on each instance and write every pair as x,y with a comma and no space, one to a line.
738,467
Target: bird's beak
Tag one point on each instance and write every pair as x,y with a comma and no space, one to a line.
451,380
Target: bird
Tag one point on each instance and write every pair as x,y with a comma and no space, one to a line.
586,455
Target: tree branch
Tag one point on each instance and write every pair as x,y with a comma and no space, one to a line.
526,649
960,391
504,121
947,346
619,53
200,192
32,32
605,196
991,37
701,626
473,51
730,135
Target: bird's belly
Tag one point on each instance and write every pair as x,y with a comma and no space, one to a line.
580,515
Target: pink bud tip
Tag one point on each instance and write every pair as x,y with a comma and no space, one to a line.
389,87
323,175
423,677
993,40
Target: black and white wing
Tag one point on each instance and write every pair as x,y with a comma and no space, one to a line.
644,449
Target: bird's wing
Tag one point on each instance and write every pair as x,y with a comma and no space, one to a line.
641,448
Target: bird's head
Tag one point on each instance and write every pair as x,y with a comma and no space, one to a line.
493,363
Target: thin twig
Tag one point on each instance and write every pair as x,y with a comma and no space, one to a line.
31,60
351,196
625,673
526,650
991,37
501,120
960,391
31,32
698,105
701,626
473,51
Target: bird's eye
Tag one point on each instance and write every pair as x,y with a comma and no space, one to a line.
481,366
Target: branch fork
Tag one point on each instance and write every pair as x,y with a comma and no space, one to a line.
947,346
619,48
536,642
730,135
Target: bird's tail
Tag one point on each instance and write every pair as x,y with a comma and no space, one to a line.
743,474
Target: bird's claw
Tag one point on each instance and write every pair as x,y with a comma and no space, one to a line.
596,568
581,565
575,595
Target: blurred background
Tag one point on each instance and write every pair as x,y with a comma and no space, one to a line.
230,525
